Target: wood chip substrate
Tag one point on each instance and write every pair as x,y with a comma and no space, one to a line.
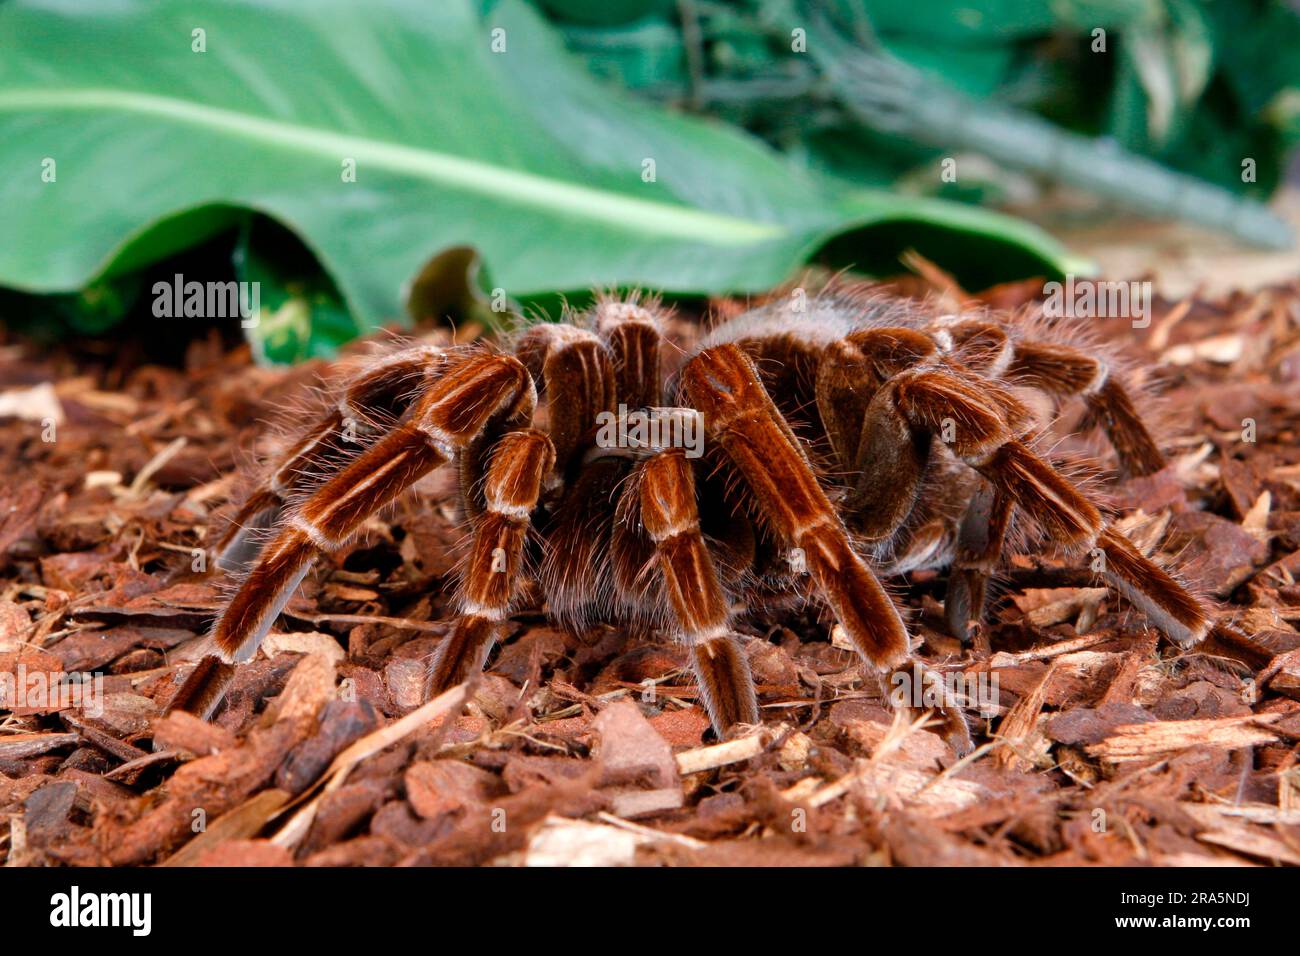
1097,742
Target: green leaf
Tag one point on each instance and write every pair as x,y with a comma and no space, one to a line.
1166,66
162,121
977,71
89,312
648,53
301,314
1260,49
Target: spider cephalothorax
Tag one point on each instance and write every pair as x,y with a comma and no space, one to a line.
803,449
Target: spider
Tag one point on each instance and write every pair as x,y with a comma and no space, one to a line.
847,438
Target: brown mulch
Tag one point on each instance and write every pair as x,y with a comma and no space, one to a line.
1103,745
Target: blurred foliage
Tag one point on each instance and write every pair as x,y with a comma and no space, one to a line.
301,312
1198,85
525,168
334,152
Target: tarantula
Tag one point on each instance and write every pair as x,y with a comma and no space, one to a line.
849,439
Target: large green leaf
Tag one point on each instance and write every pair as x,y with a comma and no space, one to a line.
519,154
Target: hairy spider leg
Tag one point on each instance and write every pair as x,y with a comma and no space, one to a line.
472,395
723,383
671,517
926,399
371,400
492,571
